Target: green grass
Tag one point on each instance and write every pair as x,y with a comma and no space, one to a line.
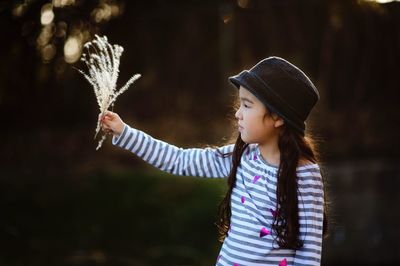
130,218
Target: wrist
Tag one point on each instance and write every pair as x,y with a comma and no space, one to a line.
119,130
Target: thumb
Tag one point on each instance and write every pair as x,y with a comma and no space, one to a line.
110,115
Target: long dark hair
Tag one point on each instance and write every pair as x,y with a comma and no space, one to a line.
293,146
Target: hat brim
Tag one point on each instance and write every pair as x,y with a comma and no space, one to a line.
249,82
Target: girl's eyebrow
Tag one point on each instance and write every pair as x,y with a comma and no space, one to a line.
246,99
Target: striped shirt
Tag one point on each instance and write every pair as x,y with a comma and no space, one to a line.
250,240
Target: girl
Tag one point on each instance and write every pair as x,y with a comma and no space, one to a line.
273,212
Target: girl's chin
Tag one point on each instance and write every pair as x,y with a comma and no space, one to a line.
246,139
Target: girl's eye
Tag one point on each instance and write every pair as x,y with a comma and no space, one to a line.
245,105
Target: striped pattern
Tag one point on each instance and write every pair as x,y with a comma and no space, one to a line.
251,239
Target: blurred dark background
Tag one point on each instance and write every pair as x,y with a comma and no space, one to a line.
64,203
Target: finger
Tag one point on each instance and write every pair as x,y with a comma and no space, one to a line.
106,121
104,125
111,115
109,118
102,118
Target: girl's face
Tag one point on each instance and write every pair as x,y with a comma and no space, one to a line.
255,124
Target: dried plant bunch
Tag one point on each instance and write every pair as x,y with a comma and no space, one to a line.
102,60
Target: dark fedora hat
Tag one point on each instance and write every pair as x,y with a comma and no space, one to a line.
281,87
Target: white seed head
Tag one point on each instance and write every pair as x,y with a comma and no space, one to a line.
103,67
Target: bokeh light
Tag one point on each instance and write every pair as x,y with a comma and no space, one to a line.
47,14
48,52
45,35
72,49
227,18
382,1
243,3
62,3
61,31
19,10
105,11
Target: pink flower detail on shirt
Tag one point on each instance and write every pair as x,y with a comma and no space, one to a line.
256,178
236,264
283,262
255,157
274,213
243,199
263,232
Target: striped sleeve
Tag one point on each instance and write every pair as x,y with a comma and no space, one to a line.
207,162
311,207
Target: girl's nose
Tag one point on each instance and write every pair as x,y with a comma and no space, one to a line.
238,114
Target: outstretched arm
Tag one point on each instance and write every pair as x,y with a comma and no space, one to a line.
206,162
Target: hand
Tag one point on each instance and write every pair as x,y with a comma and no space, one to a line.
111,123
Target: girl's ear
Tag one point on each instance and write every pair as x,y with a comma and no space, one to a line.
279,122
